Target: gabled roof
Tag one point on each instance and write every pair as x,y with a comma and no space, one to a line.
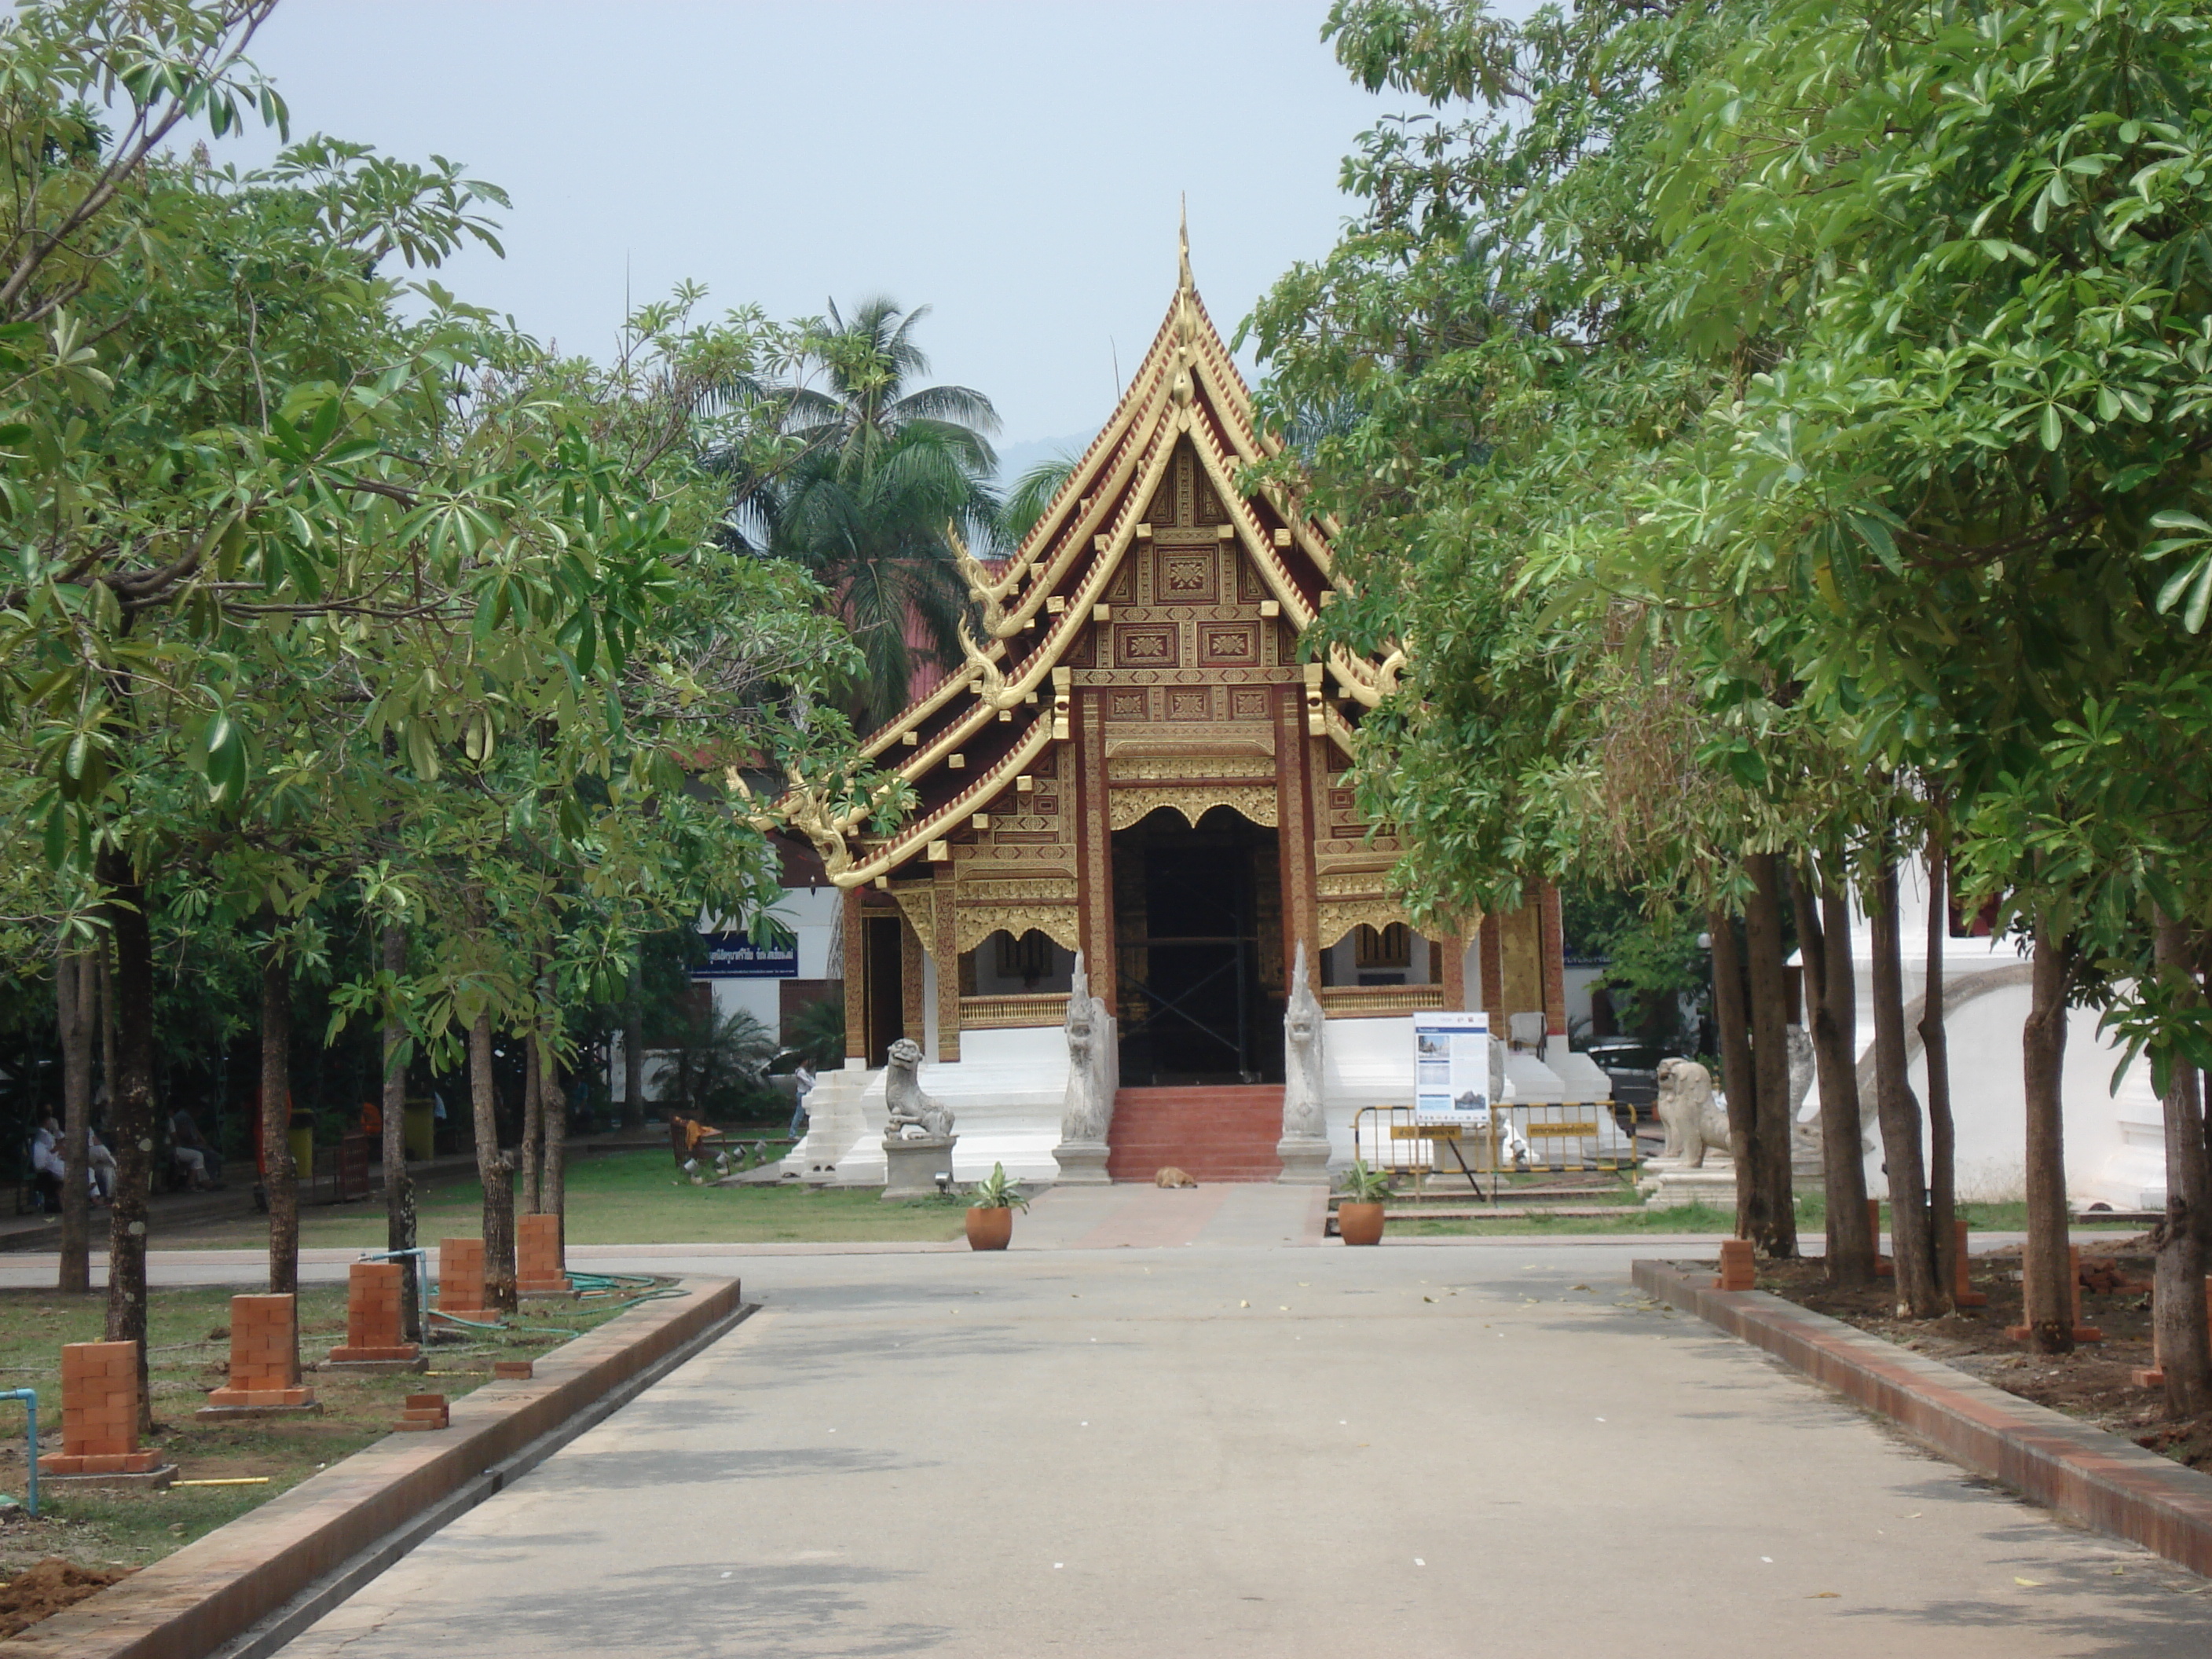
972,735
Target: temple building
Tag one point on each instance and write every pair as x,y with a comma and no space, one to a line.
1138,762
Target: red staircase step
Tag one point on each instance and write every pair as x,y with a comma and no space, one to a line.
1219,1135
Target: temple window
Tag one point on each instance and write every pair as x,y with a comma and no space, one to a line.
1393,954
1005,965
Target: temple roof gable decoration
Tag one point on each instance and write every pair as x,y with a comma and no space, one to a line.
1040,617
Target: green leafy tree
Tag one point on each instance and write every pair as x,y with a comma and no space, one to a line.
890,477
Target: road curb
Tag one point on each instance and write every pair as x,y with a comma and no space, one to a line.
252,1585
2081,1474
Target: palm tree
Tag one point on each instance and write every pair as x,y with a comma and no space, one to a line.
887,474
1032,493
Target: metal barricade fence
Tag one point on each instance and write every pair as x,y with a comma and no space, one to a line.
1533,1136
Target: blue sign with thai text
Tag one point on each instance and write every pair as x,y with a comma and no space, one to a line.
733,956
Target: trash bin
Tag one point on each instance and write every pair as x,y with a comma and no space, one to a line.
420,1129
301,1128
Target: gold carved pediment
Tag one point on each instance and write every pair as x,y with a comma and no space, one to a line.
1256,801
1060,923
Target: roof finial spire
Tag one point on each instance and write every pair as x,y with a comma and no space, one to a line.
1183,283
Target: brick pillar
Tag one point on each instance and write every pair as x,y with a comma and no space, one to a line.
1451,950
2155,1377
373,1316
264,1355
461,1276
100,1413
1491,954
1963,1293
2081,1332
1299,759
1085,770
914,1019
1737,1269
539,1269
1552,943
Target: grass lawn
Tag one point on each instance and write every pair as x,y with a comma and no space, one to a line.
189,1353
626,1198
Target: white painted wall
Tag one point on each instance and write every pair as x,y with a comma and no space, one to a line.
2115,1140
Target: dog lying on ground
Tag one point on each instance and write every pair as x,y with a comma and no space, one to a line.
1172,1176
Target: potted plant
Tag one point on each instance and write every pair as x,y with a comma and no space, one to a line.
990,1206
1359,1216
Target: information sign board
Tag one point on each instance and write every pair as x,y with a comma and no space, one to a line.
733,956
1451,1068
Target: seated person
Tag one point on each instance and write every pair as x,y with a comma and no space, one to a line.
686,1136
46,1164
99,1168
202,1163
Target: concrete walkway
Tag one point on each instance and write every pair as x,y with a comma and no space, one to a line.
1213,1442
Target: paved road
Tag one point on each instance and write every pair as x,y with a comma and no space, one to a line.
1248,1447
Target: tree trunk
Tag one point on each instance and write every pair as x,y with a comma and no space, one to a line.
398,1185
496,1173
2047,1267
1942,1131
534,1122
1830,994
553,1193
1770,1057
104,974
74,998
282,1181
1919,1295
633,1112
2183,1343
130,1109
1736,1077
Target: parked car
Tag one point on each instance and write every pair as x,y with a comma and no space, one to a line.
1633,1063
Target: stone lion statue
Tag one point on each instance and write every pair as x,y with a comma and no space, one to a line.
910,1113
1302,1024
1694,1123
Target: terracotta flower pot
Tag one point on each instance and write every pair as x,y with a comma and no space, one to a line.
989,1230
1360,1224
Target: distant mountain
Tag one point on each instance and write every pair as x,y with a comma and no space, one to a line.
1014,459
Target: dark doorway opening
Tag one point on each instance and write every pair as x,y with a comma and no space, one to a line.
1198,934
886,1012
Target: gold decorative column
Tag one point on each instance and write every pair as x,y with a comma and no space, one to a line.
856,977
945,948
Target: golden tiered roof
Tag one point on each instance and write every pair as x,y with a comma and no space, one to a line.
973,736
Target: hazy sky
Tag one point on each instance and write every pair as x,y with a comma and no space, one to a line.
1015,166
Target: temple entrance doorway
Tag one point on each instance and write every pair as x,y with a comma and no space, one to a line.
1198,933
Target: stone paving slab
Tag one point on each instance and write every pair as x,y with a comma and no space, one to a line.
1245,1451
2085,1474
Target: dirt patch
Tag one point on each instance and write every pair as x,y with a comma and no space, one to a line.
43,1589
2095,1383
